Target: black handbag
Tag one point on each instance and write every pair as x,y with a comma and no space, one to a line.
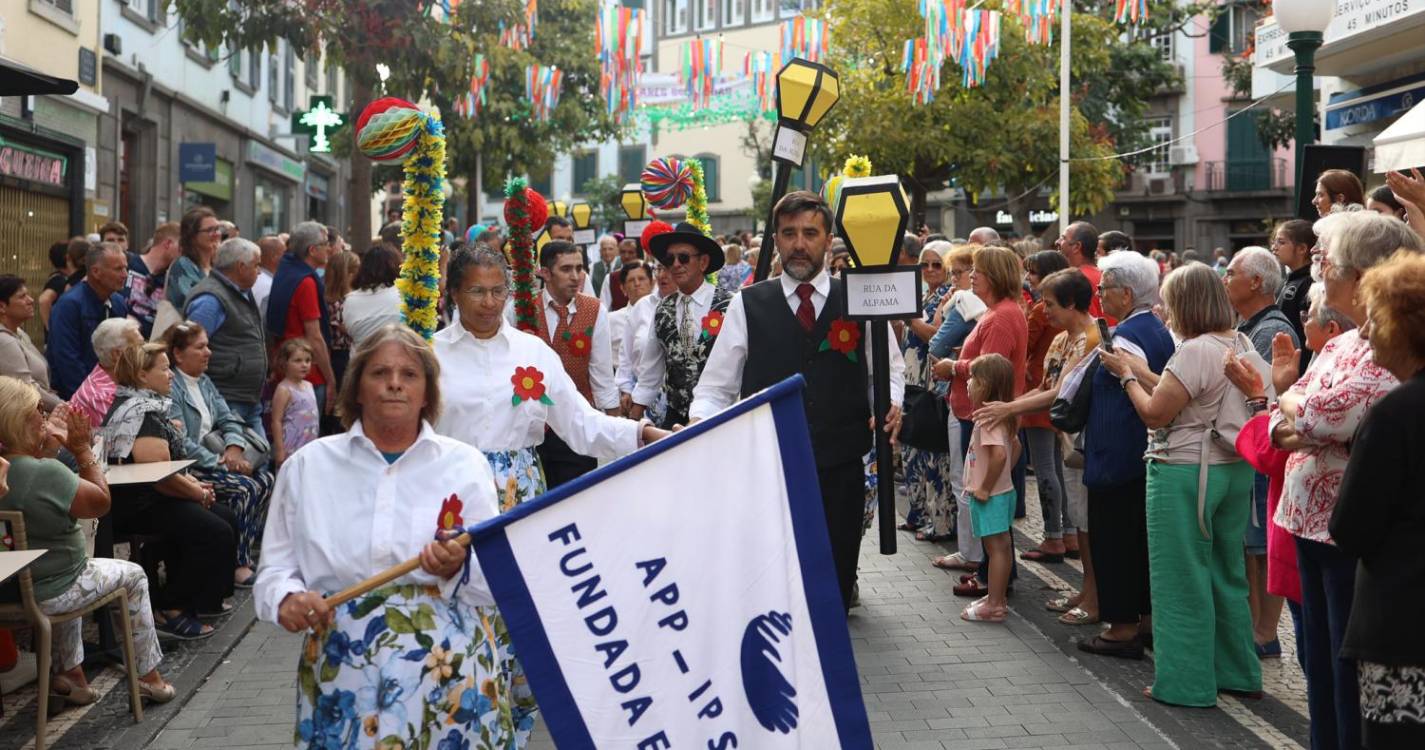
924,416
1072,414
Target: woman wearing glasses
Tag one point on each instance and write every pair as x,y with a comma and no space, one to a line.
198,235
926,472
503,387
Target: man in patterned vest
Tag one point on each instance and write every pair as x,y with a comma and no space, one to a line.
685,324
794,324
577,328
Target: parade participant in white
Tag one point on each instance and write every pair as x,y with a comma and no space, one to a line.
422,660
640,323
503,386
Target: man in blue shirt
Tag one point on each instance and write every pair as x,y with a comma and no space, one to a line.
79,311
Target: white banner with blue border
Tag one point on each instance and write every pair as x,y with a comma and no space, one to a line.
684,596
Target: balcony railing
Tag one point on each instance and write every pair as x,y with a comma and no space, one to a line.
1239,176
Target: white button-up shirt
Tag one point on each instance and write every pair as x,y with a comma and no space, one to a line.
637,324
721,382
477,397
341,514
653,365
601,358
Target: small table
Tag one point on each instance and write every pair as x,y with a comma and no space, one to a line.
11,563
120,474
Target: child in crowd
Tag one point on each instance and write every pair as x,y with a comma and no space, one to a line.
993,450
295,416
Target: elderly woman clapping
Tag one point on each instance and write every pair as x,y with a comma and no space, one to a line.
1317,419
1199,494
351,505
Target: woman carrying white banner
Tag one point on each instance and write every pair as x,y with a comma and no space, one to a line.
504,388
424,660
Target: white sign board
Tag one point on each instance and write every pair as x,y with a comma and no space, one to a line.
790,146
891,293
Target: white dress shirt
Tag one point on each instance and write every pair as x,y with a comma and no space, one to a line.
638,323
261,290
477,397
366,310
341,514
652,366
618,327
601,358
721,382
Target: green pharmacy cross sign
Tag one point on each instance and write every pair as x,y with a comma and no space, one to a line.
318,121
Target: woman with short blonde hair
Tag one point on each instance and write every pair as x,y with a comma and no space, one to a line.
1196,303
52,500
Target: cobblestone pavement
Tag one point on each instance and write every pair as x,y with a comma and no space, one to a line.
929,679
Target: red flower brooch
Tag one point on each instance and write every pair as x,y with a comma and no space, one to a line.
449,517
843,337
580,344
712,324
529,386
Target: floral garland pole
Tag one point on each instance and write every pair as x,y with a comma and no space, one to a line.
698,201
524,210
392,129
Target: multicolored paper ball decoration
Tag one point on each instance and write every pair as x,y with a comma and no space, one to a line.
388,129
667,182
535,211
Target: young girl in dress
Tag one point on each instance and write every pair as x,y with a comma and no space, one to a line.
295,416
993,449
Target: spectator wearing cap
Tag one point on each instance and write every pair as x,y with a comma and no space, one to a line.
79,311
222,303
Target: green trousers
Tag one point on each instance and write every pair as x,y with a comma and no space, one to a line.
1202,623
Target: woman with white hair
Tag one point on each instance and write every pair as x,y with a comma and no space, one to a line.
96,393
1115,440
1317,419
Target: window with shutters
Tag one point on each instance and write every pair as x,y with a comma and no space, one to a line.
734,12
706,11
1160,131
63,6
289,79
312,67
274,82
586,170
631,160
675,17
711,172
254,69
763,10
1233,31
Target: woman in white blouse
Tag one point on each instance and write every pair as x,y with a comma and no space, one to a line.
423,660
504,387
373,301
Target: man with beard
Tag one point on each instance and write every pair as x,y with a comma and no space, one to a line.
793,324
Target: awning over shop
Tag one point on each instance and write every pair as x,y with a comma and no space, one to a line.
17,80
1402,145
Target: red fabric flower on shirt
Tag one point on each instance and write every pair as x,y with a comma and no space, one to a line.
529,385
449,517
712,324
843,337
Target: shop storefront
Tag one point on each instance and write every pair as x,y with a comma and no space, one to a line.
276,178
41,201
216,194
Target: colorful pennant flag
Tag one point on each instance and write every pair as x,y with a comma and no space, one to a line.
541,88
1131,11
805,38
761,69
618,38
469,104
701,66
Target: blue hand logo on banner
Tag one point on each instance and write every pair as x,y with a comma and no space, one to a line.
768,692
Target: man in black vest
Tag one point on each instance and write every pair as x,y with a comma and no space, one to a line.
793,324
223,304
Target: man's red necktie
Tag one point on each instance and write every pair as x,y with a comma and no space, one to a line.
806,313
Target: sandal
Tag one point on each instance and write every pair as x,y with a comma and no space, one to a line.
1078,616
925,535
980,611
954,561
226,610
184,627
908,526
1060,605
248,582
1040,556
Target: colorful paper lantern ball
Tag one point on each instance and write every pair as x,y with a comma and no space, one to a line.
667,182
536,210
653,229
388,129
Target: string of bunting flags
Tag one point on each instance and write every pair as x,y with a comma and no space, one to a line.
541,88
469,104
805,38
618,37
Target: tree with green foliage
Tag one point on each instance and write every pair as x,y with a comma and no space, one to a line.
430,57
1002,136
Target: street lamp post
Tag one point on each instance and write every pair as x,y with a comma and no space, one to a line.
1305,22
806,91
635,211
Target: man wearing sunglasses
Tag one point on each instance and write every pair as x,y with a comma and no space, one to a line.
685,324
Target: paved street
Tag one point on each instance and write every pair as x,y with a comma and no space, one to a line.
930,680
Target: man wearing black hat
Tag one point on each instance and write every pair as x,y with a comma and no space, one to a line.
795,324
685,324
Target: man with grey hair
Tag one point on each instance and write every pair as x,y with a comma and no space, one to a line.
983,235
96,393
1077,244
297,305
79,311
223,304
910,250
